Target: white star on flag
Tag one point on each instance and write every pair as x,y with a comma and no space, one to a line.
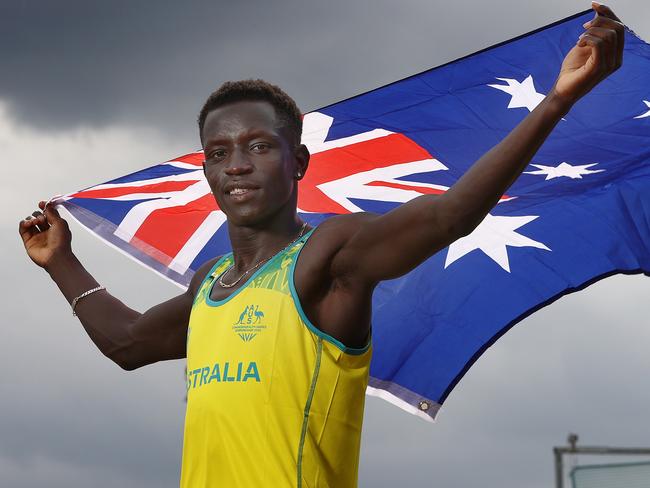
564,169
647,114
523,94
492,236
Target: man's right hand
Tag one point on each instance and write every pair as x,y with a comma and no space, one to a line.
45,235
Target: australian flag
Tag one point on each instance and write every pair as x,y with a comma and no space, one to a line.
578,213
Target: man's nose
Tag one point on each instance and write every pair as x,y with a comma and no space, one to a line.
239,163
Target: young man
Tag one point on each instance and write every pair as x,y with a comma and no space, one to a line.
277,334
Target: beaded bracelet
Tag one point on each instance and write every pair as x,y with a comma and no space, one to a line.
83,295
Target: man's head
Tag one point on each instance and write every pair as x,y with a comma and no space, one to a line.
255,91
250,132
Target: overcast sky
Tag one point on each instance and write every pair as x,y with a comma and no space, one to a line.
92,90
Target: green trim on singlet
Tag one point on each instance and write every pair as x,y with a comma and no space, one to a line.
276,277
315,330
201,291
305,419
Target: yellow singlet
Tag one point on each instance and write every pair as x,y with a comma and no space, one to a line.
272,401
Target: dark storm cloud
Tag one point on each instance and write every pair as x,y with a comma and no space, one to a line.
79,63
70,64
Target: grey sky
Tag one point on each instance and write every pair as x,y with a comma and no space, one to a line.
90,91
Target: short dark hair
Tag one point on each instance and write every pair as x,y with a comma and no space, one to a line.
255,90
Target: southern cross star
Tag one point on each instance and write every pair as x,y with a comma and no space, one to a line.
523,94
564,169
647,114
492,236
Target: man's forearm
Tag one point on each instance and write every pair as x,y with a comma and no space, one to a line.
480,188
105,318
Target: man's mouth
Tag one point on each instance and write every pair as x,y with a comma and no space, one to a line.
240,190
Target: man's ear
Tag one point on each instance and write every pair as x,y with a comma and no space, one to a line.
302,160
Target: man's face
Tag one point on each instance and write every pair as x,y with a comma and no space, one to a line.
250,162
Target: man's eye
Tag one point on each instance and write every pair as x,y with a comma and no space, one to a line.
217,154
259,147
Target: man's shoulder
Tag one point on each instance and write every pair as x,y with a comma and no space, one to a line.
339,228
330,237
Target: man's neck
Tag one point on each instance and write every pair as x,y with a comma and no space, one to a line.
252,244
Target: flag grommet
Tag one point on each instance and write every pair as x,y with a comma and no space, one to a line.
424,406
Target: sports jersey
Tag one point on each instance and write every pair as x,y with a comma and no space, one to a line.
271,400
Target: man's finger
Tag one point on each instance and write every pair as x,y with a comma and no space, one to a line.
604,10
597,48
40,221
27,229
52,214
609,23
43,223
610,44
587,39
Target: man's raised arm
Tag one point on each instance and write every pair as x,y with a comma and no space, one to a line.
127,337
388,246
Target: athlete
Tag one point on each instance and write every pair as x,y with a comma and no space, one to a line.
277,333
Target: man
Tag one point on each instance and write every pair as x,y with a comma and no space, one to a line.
277,334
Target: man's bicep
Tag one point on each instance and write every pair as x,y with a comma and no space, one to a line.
390,245
161,332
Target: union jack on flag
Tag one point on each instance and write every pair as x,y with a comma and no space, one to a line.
580,212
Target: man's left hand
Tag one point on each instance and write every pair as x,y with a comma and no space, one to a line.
597,54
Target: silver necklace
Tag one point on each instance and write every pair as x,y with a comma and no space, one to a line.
260,263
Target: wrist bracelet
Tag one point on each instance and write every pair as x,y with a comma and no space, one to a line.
83,295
